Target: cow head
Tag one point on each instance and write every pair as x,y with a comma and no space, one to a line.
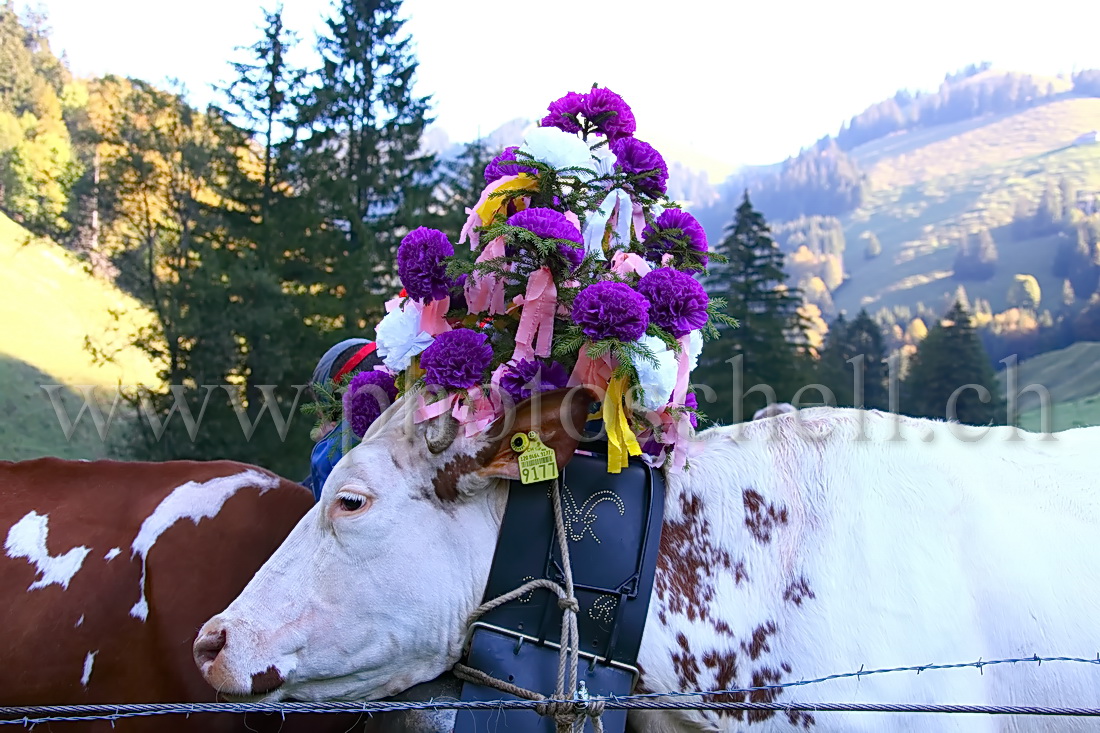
371,591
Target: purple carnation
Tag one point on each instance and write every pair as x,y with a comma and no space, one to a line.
457,359
505,165
619,120
611,310
693,402
676,232
677,302
368,395
635,156
652,448
550,224
518,378
572,103
422,266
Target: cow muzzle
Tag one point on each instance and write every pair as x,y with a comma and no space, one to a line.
224,666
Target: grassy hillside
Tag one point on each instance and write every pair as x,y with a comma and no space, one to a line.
1072,378
930,184
49,305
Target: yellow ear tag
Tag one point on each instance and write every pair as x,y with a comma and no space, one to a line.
537,461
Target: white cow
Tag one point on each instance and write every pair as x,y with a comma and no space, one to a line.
812,543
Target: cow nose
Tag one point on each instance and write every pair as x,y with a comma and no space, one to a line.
208,646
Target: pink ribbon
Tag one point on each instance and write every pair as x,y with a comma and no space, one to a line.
469,229
639,220
486,292
473,219
592,373
432,318
427,411
536,323
624,263
477,414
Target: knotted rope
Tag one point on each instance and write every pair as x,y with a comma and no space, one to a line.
566,712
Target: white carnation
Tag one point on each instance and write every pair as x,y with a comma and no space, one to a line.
657,382
558,149
399,338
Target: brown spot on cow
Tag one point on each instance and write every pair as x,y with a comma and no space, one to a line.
266,681
722,627
759,643
768,678
686,665
445,481
798,591
724,665
740,573
686,561
761,517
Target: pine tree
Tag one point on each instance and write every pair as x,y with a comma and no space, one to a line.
771,335
1051,211
832,369
371,182
961,296
950,357
460,183
865,339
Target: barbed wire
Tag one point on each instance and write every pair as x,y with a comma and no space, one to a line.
38,714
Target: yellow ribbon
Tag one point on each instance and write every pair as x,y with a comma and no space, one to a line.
488,210
621,441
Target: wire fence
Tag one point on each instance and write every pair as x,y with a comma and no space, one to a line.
696,700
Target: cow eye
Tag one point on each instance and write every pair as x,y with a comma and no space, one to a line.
349,502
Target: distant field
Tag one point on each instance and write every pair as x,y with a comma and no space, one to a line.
929,185
48,304
1072,378
1063,416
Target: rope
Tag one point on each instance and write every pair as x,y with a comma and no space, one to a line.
567,714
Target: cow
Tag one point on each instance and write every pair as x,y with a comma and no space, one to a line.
111,567
821,541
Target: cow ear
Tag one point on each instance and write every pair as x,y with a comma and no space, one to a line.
558,417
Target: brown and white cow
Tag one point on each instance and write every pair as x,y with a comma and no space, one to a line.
109,569
799,546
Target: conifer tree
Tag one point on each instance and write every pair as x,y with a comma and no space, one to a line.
770,339
950,357
363,160
459,184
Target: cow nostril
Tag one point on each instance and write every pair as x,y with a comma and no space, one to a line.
208,646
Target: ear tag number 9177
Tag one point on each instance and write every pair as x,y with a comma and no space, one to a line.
537,461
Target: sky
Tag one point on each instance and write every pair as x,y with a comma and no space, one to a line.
714,84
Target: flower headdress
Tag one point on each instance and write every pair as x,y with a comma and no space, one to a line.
585,275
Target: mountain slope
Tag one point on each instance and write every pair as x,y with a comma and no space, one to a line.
930,185
49,304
